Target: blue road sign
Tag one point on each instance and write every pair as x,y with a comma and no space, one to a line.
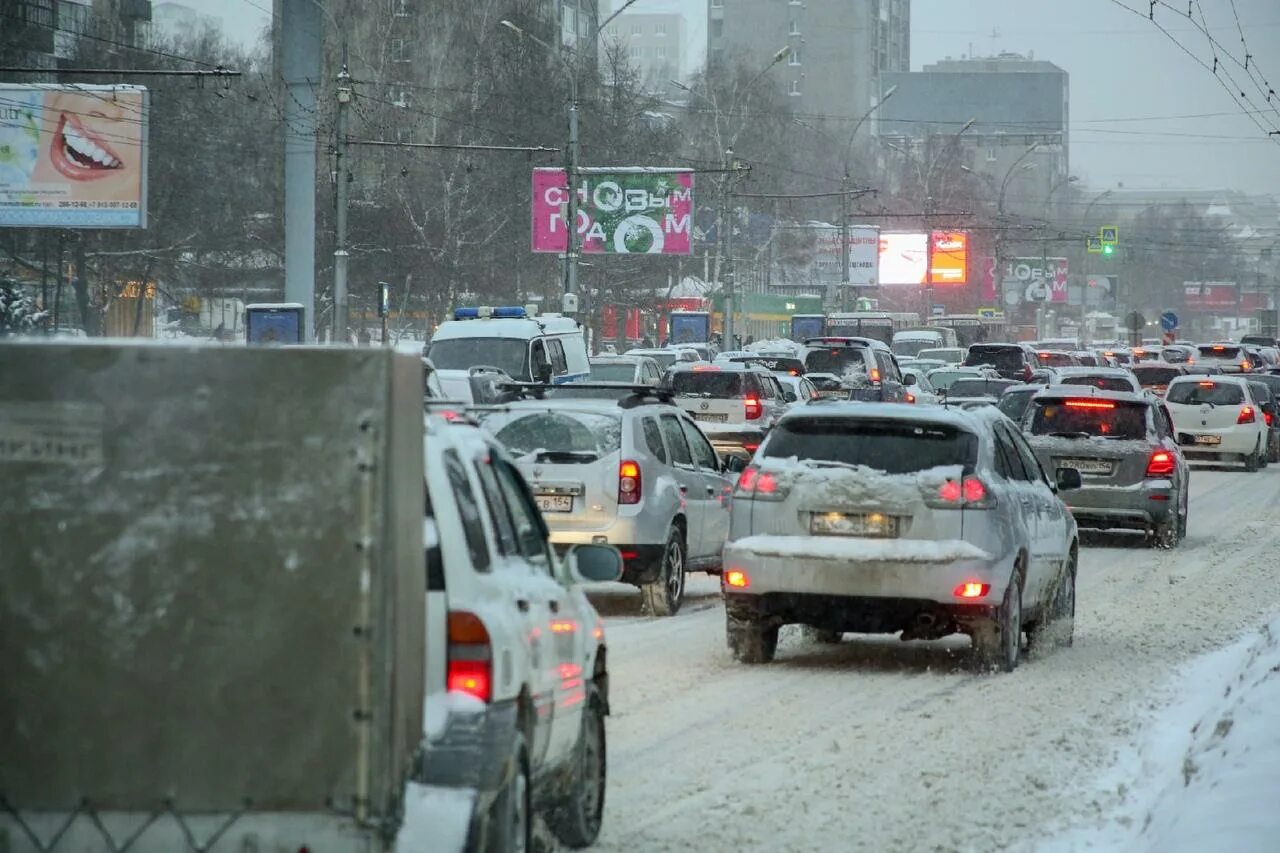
1168,321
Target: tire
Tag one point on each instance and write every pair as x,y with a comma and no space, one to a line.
1251,462
1166,534
750,640
664,596
1058,626
576,820
998,645
511,829
821,635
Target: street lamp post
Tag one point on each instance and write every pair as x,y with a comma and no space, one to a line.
844,200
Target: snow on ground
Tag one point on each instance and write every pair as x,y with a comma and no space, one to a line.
1205,774
879,745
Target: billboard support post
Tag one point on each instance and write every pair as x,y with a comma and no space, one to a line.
299,32
845,286
340,254
729,268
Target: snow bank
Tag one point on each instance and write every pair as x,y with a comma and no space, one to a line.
435,819
858,549
1207,774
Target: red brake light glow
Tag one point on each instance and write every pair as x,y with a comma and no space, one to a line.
1219,348
972,589
950,491
1090,404
470,657
737,578
1161,464
754,409
973,490
910,398
875,374
753,481
703,368
1205,384
1246,415
1266,416
629,482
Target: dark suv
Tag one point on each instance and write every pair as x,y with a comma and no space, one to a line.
1011,361
866,366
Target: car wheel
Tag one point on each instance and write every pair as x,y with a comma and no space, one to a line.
664,596
512,822
998,644
1182,521
1251,461
1059,625
575,821
821,635
1165,534
750,640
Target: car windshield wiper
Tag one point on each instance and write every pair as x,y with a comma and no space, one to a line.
1070,435
567,456
827,463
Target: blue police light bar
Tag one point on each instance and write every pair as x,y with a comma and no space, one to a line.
507,312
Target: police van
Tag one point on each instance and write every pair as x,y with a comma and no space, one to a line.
522,344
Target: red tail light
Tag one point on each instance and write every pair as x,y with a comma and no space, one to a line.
737,578
910,398
970,493
1246,415
629,486
754,409
1090,404
875,374
972,589
1266,416
762,485
470,667
1161,464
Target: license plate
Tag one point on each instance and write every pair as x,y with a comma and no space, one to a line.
1208,439
709,418
554,503
853,524
1087,466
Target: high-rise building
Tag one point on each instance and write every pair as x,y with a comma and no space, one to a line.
652,44
839,48
43,33
1004,118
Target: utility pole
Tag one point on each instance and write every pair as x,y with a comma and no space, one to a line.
571,173
298,31
340,254
845,287
730,271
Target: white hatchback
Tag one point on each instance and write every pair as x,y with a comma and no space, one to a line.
1217,418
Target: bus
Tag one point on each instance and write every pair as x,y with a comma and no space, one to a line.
805,326
879,325
974,328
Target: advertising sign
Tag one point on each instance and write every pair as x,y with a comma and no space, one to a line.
73,156
690,328
1219,296
1034,280
620,211
273,323
904,258
949,261
864,255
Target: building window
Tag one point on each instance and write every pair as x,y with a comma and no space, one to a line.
73,18
660,28
400,8
795,56
991,154
795,87
795,27
37,13
717,28
635,53
660,52
399,50
637,29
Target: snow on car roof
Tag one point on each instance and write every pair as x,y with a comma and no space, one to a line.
1100,370
506,327
968,420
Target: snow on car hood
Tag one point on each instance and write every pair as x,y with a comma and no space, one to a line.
854,548
857,486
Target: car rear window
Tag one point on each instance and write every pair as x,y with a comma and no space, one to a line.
1219,351
1205,391
707,383
1156,375
977,388
842,361
1089,417
558,437
892,446
1175,355
1001,358
1106,383
912,346
778,364
1056,359
1014,403
614,372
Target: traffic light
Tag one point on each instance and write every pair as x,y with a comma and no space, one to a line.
1108,250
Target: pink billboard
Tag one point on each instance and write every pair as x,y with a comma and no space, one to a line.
620,211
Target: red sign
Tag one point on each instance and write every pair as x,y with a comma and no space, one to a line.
1219,297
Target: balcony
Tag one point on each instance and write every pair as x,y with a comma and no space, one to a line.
135,10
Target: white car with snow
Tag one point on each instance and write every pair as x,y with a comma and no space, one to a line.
1218,419
517,682
878,518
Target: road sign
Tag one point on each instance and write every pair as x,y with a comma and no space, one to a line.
1109,235
1169,337
1134,321
939,310
1168,321
1093,244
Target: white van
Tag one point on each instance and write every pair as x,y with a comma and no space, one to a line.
527,347
909,342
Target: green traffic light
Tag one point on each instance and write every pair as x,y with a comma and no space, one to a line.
1107,250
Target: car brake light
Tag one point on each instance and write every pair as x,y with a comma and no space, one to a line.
1244,365
629,482
1246,415
1205,384
910,398
737,578
702,368
1161,464
470,667
1266,416
1219,348
875,374
1090,404
972,589
754,409
970,493
762,485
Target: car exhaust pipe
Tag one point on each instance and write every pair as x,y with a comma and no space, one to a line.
926,619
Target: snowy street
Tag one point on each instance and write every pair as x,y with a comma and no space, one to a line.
876,744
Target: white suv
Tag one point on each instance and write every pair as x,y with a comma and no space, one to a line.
1218,418
633,471
517,683
879,518
727,393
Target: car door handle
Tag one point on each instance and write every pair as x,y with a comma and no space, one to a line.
522,604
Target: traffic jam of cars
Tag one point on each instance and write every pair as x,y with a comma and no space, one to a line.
840,484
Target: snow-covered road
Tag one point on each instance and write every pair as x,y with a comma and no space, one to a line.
880,745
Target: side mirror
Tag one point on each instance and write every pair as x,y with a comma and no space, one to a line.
735,464
594,563
908,379
789,396
1068,479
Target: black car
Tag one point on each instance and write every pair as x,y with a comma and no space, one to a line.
1267,389
1012,361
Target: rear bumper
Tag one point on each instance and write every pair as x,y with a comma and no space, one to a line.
862,614
474,752
1133,507
644,528
1234,443
870,579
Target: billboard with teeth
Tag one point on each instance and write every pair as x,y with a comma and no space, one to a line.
73,156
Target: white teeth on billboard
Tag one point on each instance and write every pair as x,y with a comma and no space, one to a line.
86,149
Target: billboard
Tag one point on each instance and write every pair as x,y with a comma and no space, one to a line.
620,211
864,242
1220,297
274,323
1034,280
73,156
904,258
949,257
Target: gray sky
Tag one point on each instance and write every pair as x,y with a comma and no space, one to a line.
242,20
1123,67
